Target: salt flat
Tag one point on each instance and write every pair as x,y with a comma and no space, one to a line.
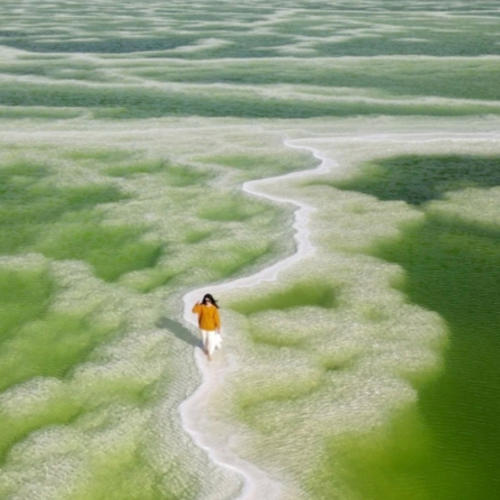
357,294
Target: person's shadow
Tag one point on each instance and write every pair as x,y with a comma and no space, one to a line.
180,331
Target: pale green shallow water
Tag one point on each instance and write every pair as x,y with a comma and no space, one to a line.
126,132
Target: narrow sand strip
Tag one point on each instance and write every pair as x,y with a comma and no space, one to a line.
257,484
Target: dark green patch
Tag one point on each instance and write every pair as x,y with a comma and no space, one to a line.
35,341
334,364
110,45
181,176
298,295
174,175
28,170
460,78
24,296
100,155
127,473
447,446
50,347
139,102
88,196
453,268
28,205
15,429
462,42
237,208
111,250
34,113
383,465
62,223
144,167
417,179
197,236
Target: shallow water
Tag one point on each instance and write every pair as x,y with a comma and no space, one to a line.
127,130
447,445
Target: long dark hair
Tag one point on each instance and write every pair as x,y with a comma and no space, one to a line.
210,297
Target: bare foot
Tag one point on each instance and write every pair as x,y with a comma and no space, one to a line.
209,357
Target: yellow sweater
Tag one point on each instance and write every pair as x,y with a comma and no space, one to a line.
208,316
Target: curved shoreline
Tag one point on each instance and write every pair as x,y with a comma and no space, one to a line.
256,483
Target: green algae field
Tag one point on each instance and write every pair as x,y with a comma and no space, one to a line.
329,170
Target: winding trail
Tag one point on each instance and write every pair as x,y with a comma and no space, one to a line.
257,484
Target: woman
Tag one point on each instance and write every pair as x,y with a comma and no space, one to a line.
209,323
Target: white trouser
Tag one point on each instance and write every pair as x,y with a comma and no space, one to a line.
210,342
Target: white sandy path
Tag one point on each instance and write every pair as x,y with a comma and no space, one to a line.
257,484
